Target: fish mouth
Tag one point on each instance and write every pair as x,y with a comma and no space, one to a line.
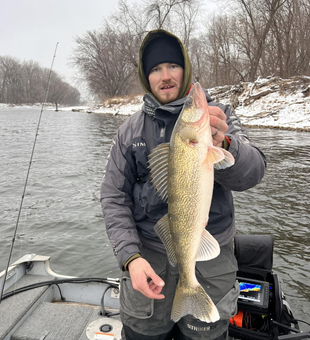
195,112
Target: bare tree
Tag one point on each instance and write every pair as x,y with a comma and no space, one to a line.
129,25
255,20
290,39
32,74
222,51
108,58
255,38
4,74
60,92
186,20
158,11
129,18
11,82
26,82
99,57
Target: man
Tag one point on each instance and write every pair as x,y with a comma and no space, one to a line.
131,206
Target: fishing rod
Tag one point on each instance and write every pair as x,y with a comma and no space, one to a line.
28,171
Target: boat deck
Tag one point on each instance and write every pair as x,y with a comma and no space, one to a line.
35,315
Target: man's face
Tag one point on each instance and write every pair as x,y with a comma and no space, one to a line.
166,82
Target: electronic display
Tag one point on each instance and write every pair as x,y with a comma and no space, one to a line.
254,295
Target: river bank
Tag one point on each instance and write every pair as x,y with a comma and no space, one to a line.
269,103
266,103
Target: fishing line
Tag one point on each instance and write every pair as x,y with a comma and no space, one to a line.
28,171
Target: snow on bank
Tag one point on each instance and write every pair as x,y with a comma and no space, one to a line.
47,106
292,112
272,103
114,106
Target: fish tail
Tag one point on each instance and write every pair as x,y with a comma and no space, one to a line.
194,301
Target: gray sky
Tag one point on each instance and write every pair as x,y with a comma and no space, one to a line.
30,29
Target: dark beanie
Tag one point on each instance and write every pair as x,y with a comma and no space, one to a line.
163,49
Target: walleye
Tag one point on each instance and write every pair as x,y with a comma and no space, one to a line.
182,172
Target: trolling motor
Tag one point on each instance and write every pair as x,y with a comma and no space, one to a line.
263,312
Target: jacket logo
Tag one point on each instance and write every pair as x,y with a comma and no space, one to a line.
135,145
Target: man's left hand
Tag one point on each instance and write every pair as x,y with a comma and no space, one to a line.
218,125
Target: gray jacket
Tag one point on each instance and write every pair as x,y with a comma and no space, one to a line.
130,204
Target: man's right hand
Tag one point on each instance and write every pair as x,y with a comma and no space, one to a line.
144,279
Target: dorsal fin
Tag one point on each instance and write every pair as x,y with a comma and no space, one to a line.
158,164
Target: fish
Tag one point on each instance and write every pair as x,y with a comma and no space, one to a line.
182,173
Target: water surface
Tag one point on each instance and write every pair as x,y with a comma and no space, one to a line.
61,214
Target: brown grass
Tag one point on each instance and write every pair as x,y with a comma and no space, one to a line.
121,101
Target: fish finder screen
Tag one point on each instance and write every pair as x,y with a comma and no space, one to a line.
254,295
250,292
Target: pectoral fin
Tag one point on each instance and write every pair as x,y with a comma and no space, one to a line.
221,158
162,230
209,247
214,155
227,162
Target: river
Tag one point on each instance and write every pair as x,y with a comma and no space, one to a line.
61,214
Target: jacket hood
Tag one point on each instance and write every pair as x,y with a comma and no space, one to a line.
187,75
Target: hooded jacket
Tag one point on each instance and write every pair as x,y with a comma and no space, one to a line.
130,204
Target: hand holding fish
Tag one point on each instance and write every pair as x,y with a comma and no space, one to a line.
218,125
140,272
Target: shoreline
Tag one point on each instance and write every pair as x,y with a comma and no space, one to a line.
80,109
287,128
271,103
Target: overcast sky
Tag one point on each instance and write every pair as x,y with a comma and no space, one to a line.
30,29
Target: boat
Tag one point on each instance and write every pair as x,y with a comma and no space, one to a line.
40,304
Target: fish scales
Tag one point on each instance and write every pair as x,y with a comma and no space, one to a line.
183,171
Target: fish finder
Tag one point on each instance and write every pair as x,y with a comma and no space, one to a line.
254,295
